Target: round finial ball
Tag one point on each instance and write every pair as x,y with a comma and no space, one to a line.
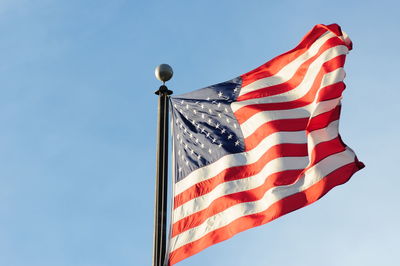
164,72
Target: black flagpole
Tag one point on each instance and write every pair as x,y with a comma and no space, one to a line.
164,73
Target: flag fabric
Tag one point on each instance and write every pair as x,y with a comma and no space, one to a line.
256,147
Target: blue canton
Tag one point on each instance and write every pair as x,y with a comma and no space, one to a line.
204,126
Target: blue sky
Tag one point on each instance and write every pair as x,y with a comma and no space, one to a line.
78,127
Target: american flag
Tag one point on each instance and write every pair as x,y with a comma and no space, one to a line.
256,147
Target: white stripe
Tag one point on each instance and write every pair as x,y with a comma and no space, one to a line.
311,177
238,159
320,135
345,38
287,72
303,87
274,166
324,134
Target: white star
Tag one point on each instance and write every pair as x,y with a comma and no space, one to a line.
182,102
219,105
210,111
219,115
217,125
186,146
208,134
187,106
208,98
202,130
202,106
220,94
198,157
180,169
230,136
220,145
209,150
227,120
226,110
234,125
198,126
237,143
209,121
214,140
223,130
202,145
203,116
191,151
194,111
235,89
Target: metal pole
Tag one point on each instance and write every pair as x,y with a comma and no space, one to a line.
160,207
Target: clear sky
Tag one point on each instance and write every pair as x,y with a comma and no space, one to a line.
78,127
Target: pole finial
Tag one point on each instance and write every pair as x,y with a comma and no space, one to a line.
164,72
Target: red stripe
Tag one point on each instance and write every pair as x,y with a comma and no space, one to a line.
335,28
282,207
238,172
331,92
293,82
248,111
323,120
324,149
320,151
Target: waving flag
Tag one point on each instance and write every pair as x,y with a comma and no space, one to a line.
254,148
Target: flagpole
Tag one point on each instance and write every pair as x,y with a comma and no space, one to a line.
164,73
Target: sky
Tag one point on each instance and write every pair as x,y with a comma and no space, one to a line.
78,127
